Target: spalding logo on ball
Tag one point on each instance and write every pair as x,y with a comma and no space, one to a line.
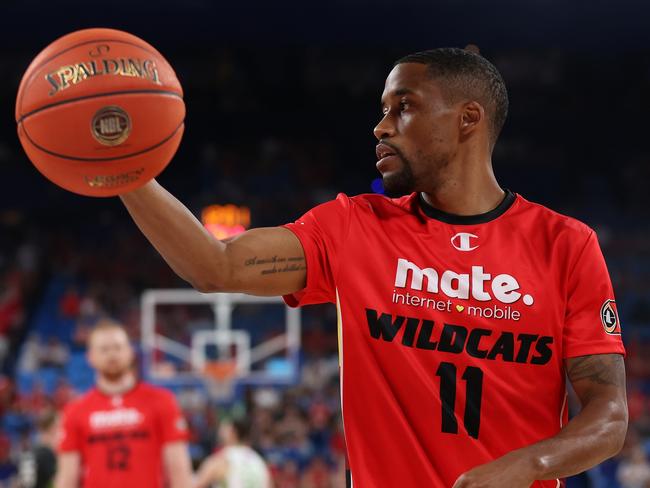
100,112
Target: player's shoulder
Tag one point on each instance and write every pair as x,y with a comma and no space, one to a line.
83,402
379,205
149,390
157,396
365,205
551,221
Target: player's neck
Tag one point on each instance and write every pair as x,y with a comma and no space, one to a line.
48,439
118,386
466,191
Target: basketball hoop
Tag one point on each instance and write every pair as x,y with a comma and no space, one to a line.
221,370
221,375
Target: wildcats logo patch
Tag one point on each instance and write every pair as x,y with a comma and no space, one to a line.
609,317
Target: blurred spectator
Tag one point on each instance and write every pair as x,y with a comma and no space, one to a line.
319,372
634,472
35,400
7,467
70,303
30,358
7,394
53,353
292,424
63,393
11,309
317,475
288,475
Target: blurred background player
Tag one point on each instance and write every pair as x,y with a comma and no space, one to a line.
236,465
37,466
122,433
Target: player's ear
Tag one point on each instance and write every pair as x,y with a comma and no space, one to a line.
471,116
89,357
132,356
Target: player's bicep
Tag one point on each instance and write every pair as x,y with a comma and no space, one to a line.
266,261
597,376
68,470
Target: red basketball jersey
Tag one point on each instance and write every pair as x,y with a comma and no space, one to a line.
120,437
453,330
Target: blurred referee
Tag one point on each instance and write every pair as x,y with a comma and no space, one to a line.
37,467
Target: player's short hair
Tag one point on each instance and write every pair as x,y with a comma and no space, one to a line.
465,74
46,420
105,324
242,429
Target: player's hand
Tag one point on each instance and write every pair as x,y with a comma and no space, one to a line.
511,470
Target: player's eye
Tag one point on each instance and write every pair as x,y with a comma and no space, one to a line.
404,105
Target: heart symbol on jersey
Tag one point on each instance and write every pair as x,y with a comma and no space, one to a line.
460,308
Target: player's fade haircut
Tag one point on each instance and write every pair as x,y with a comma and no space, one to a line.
241,427
466,75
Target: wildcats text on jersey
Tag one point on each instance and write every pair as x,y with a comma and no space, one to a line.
476,342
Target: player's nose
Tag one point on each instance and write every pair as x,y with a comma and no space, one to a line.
384,129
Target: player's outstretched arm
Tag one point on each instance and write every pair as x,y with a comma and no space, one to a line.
68,470
595,434
213,470
240,264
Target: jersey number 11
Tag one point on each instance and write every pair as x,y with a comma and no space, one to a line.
473,378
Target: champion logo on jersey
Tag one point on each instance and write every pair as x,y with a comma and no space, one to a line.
464,241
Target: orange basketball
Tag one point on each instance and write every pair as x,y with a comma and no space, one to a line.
100,112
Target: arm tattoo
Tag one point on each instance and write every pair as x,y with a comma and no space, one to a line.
603,369
277,264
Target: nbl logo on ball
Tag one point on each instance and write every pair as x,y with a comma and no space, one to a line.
609,318
111,126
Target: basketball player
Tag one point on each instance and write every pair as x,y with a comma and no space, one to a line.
236,465
122,433
462,305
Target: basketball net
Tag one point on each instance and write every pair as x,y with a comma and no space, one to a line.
220,376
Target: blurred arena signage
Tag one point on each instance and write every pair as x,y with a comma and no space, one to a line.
225,221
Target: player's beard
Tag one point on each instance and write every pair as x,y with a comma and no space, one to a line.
401,182
115,374
405,181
